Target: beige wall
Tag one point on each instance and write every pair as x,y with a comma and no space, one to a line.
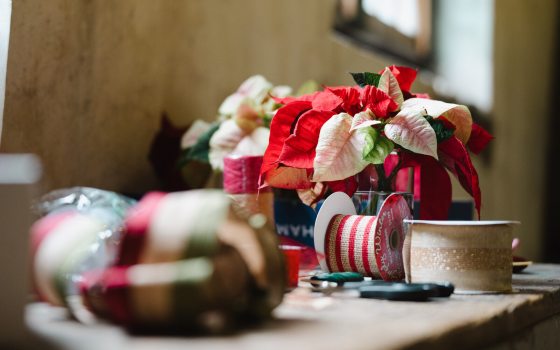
87,81
514,185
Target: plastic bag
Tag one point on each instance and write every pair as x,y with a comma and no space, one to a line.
79,230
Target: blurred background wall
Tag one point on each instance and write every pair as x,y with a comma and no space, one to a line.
88,80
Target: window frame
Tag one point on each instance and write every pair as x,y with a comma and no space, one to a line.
366,31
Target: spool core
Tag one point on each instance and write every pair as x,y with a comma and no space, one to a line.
394,240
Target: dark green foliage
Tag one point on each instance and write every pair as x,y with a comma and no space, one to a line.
366,78
199,151
442,132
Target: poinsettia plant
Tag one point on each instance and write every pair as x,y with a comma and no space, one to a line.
242,125
325,139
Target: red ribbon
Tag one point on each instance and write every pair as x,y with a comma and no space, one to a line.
241,174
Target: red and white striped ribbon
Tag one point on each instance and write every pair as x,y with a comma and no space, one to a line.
371,245
350,244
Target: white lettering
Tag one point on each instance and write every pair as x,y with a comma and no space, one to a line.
307,231
295,230
283,230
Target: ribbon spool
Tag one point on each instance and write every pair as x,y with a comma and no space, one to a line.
241,174
475,256
241,182
165,232
178,292
370,245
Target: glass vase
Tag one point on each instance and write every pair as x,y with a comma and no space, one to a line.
374,186
369,202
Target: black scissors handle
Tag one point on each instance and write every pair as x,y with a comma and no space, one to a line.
405,291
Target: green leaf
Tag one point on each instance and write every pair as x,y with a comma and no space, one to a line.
366,78
267,119
199,151
442,133
377,146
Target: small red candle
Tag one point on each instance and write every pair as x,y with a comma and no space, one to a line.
292,257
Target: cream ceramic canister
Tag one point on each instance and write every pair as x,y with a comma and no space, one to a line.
475,256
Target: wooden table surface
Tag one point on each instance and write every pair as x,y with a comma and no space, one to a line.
308,320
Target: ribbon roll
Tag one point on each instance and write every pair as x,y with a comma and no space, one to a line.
370,245
184,257
174,294
241,174
241,182
171,227
475,256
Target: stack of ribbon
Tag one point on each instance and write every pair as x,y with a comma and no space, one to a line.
186,262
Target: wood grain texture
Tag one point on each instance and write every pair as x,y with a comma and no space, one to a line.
306,320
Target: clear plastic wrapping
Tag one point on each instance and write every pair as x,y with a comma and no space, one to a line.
97,250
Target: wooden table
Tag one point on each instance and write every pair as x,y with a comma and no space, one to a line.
527,318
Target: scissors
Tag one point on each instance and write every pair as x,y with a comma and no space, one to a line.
375,289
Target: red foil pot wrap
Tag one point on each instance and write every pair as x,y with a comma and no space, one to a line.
241,174
241,182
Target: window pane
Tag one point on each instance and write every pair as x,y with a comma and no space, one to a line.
5,15
402,15
463,51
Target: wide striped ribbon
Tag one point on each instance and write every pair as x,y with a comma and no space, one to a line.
371,245
175,294
350,244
